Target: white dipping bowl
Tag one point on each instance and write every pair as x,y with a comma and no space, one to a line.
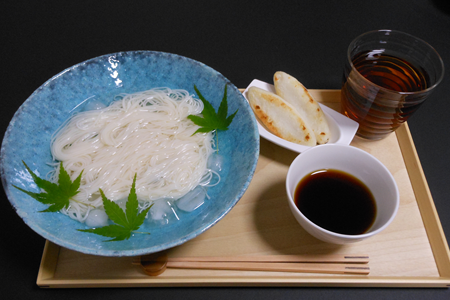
358,163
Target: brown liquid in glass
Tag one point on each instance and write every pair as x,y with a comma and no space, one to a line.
336,201
390,72
376,113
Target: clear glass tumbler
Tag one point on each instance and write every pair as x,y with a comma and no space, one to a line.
387,76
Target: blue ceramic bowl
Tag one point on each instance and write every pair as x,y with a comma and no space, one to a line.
28,138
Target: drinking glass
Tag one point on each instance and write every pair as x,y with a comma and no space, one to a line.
388,74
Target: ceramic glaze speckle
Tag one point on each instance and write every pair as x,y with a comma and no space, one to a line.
100,79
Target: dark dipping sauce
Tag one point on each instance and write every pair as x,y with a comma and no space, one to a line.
336,201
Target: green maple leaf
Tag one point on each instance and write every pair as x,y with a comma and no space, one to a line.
211,120
57,195
125,222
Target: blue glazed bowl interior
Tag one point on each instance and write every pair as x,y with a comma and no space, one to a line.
100,79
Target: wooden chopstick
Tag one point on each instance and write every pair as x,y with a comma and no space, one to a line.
324,263
330,268
325,258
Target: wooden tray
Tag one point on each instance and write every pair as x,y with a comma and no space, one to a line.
411,252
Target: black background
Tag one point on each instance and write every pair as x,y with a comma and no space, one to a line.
243,40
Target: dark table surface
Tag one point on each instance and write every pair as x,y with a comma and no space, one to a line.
243,40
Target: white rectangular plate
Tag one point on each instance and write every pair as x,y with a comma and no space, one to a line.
342,128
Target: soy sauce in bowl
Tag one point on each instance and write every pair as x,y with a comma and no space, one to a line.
336,201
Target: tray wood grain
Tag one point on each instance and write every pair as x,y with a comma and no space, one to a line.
411,252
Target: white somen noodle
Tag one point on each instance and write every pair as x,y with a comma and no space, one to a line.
147,134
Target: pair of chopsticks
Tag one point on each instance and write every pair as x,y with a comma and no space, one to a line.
331,264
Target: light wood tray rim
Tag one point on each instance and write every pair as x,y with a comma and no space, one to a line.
428,212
